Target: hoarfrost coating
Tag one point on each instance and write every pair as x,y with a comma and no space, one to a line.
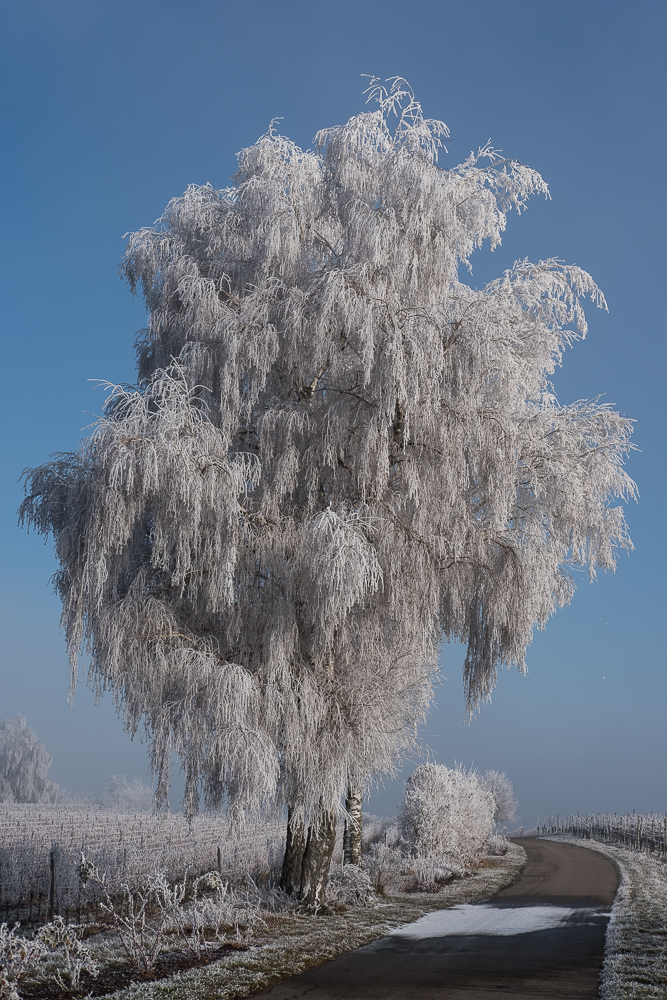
446,812
338,454
502,791
24,764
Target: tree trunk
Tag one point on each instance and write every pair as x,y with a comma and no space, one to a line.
295,845
316,860
352,834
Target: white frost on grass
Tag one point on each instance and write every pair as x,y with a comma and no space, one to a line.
470,919
292,942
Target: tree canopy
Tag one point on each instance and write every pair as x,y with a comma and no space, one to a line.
337,453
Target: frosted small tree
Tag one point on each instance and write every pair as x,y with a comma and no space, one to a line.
124,795
338,453
24,764
446,811
502,792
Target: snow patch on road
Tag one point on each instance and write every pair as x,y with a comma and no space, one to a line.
485,919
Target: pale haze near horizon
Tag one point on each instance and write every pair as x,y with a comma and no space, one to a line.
110,109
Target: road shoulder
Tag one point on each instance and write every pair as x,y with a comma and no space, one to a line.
296,942
635,963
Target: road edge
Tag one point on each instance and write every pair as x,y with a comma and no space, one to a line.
316,940
635,962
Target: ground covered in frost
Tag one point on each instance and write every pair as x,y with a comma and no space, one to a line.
292,942
635,965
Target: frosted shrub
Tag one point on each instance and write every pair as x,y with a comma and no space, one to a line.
384,865
431,876
269,898
206,921
18,956
349,885
209,922
141,940
497,844
447,812
72,956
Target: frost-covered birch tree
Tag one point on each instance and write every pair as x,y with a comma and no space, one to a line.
337,453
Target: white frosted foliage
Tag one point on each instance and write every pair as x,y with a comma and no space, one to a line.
446,812
502,792
338,453
24,764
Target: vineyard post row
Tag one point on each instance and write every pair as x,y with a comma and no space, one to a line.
40,854
642,833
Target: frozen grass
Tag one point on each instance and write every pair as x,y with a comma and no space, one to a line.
635,964
291,942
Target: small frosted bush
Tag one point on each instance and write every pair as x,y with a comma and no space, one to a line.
68,954
349,885
447,812
431,876
383,865
18,956
498,844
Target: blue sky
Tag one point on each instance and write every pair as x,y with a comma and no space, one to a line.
110,108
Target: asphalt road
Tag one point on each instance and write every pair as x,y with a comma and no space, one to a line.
542,937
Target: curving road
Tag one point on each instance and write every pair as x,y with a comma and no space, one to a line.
542,937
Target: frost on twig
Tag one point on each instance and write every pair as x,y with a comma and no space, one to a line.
140,935
18,956
72,955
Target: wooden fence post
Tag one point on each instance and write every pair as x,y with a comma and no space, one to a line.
52,888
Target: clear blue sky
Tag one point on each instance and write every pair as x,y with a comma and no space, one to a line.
110,107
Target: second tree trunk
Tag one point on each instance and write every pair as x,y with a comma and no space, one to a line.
352,835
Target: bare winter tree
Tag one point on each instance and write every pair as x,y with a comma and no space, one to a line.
24,764
338,453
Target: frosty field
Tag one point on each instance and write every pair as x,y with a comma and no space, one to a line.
41,842
177,933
